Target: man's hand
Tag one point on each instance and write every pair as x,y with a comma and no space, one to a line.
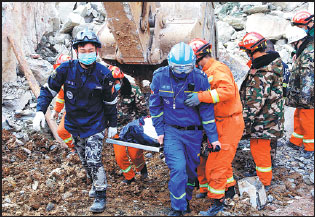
214,146
54,114
38,121
112,131
192,100
160,139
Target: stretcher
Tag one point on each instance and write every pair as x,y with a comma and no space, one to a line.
134,145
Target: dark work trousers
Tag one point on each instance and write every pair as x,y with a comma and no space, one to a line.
89,150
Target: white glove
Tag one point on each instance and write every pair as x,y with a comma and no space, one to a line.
38,121
112,131
54,114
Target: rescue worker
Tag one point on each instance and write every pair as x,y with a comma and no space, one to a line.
123,153
90,103
179,127
262,98
301,93
224,95
304,20
61,131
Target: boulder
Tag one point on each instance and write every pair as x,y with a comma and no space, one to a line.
72,21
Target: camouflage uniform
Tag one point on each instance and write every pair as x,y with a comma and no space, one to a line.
262,98
132,107
301,84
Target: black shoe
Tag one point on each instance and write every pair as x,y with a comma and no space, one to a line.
188,208
217,206
230,193
291,145
144,173
99,202
128,181
307,154
175,213
201,195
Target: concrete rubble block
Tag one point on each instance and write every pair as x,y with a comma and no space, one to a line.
266,21
64,9
40,68
81,27
72,21
81,10
255,189
257,9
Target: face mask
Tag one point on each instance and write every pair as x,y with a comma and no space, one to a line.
117,87
87,58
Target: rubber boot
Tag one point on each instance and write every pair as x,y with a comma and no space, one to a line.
201,195
291,145
92,192
230,193
99,202
126,181
144,173
175,213
216,207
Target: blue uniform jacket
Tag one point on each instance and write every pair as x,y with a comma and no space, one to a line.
167,102
85,94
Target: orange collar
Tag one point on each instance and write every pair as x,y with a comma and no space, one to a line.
208,64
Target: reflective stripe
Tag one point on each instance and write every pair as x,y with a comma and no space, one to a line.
178,198
68,139
140,165
190,184
284,84
204,185
231,179
112,102
215,96
54,93
264,169
60,100
157,116
297,135
128,169
214,191
210,78
208,122
166,91
308,140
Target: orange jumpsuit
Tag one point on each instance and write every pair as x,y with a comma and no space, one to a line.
224,94
61,131
304,122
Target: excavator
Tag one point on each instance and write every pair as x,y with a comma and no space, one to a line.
137,36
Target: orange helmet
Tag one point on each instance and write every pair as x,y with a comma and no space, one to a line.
200,47
62,58
302,18
116,72
252,41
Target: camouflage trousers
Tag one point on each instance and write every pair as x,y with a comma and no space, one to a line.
90,153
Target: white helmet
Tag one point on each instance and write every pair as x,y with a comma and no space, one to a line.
294,34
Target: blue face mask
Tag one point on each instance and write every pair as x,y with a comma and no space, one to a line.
87,58
117,87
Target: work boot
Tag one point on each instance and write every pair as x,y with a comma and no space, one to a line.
144,173
217,206
291,145
307,154
128,181
188,208
92,193
250,173
99,202
175,212
230,193
201,195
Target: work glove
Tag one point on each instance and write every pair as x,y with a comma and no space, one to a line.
38,121
192,100
214,146
112,131
54,114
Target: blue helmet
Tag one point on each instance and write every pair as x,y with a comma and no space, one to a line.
86,36
181,58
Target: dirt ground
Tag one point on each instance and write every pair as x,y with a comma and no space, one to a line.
39,179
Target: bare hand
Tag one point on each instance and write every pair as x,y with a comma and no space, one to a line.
216,143
160,139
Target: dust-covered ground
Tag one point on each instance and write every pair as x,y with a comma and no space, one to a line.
39,179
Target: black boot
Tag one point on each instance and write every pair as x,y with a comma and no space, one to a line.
126,181
99,202
188,208
201,195
175,213
144,173
291,145
230,193
217,205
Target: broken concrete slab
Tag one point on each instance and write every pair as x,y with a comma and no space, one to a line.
255,189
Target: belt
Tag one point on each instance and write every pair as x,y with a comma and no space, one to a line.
193,127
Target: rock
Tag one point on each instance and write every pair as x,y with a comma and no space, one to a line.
72,21
225,31
41,69
307,180
256,9
149,155
312,177
270,198
254,188
67,195
35,185
50,206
